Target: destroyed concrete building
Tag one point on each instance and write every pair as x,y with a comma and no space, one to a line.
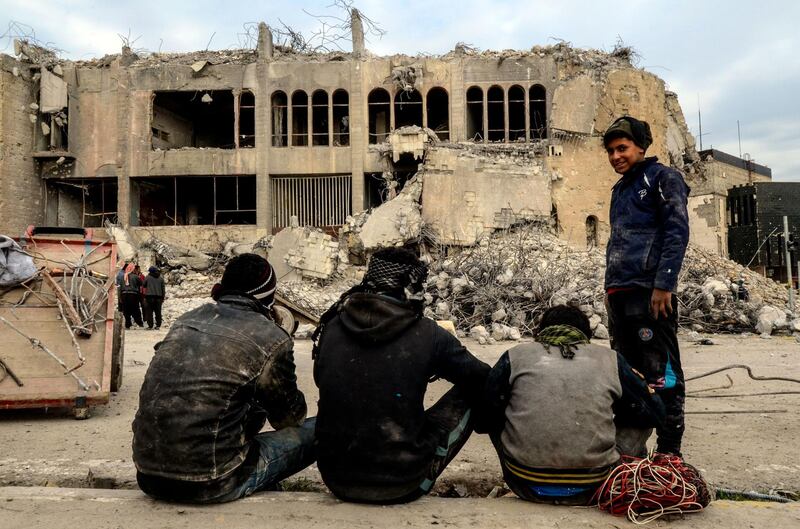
710,213
201,149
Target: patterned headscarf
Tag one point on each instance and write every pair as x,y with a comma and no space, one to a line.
385,276
565,337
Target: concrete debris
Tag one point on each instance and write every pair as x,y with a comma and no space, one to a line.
45,128
304,331
303,253
512,277
411,139
397,222
52,93
176,257
199,65
314,296
15,71
206,98
407,78
34,106
32,117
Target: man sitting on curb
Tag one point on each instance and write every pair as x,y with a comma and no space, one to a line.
551,407
222,371
374,356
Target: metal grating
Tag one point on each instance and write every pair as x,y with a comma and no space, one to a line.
314,200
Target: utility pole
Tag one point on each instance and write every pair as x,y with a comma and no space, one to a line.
699,122
788,262
739,133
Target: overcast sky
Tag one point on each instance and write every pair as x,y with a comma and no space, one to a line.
739,58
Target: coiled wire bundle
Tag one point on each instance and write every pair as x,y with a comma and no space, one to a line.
646,489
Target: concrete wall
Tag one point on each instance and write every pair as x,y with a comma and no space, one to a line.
465,195
21,192
707,223
202,238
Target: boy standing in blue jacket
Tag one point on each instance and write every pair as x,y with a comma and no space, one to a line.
649,235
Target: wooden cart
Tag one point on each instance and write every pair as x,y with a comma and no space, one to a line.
61,336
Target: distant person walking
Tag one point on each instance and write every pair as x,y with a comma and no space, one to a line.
154,294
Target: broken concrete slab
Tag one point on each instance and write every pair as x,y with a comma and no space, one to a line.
52,93
303,253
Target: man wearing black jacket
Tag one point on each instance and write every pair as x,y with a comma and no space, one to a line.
649,234
221,372
374,356
552,409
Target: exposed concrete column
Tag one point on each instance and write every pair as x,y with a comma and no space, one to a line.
263,113
357,30
123,147
458,102
359,133
265,47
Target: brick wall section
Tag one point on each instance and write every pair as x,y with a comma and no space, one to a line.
21,198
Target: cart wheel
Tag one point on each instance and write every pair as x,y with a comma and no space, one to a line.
117,352
285,319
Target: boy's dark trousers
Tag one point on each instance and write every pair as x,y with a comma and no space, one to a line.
650,346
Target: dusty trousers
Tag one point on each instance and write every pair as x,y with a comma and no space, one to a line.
650,346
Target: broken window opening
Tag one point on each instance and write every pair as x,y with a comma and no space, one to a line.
194,200
193,119
319,118
496,114
407,108
321,201
438,108
379,103
537,108
591,232
51,130
280,121
299,134
86,203
235,200
247,119
516,114
341,118
475,130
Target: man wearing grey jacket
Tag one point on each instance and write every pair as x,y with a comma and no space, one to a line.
552,408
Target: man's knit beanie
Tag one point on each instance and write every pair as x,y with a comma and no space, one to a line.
627,127
248,274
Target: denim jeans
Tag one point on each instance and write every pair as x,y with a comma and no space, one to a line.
283,454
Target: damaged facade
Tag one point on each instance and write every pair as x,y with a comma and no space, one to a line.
204,148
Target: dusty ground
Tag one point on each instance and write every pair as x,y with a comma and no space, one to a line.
49,508
754,450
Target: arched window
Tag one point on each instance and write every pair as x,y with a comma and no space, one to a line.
379,103
475,130
247,119
280,122
591,231
299,119
319,118
496,114
438,108
516,113
341,118
537,107
407,108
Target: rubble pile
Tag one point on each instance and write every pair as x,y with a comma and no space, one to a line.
314,296
498,288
